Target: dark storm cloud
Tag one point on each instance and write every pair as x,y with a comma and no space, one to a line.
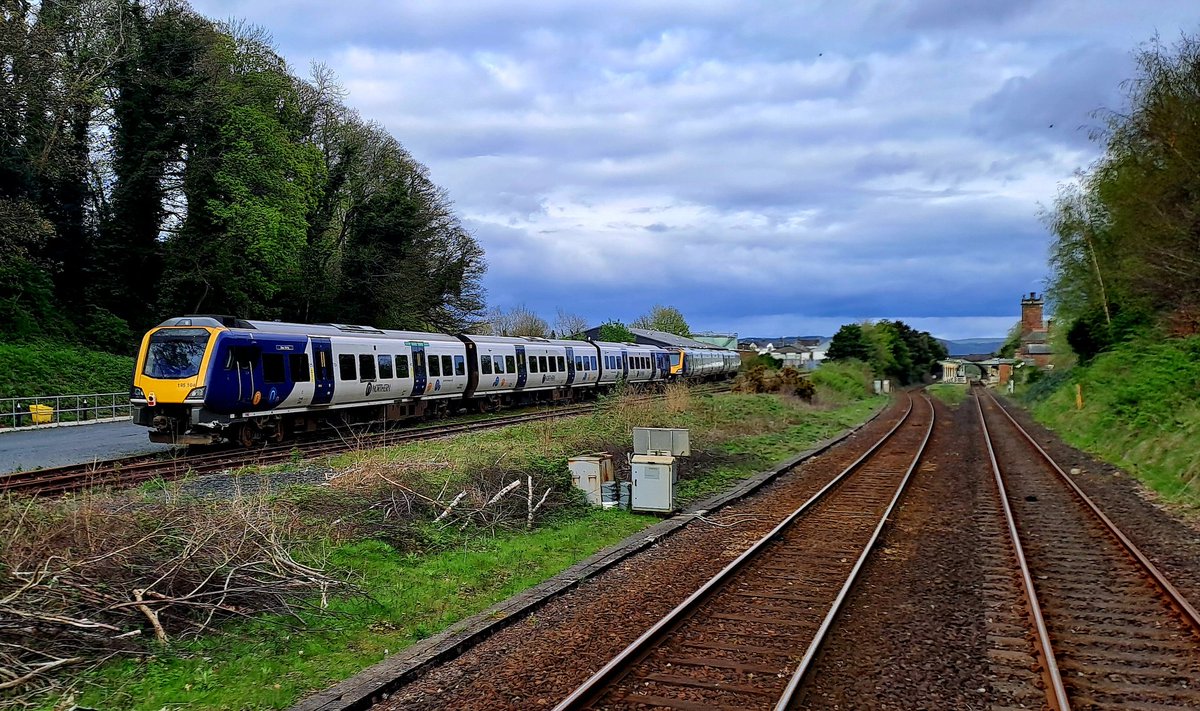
767,167
1067,97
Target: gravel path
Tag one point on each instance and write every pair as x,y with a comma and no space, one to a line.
915,626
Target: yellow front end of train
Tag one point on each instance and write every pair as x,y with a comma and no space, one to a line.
169,375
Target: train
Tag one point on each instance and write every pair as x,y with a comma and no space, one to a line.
202,380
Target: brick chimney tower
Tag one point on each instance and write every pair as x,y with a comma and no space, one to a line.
1031,314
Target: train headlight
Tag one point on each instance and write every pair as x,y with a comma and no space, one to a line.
137,394
196,395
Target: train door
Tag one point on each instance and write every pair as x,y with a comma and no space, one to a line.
418,370
322,355
522,373
242,360
570,365
625,365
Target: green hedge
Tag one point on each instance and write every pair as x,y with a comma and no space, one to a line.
31,369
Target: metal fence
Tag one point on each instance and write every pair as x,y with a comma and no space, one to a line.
52,410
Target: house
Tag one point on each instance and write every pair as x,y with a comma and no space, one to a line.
1034,332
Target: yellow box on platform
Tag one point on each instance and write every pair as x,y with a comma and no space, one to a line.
40,414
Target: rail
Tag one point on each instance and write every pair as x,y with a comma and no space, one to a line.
1081,577
57,410
617,670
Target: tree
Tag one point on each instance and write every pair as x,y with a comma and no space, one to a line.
1126,235
569,325
615,332
849,344
664,318
517,321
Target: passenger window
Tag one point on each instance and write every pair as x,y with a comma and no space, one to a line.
485,365
553,365
385,367
533,365
460,365
366,367
346,366
447,366
435,369
499,362
401,366
510,364
562,364
578,362
542,362
272,364
298,362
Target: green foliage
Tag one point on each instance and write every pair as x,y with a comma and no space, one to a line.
31,369
844,381
894,349
1096,330
1141,411
764,360
952,394
1125,234
1011,343
615,332
664,318
849,343
154,162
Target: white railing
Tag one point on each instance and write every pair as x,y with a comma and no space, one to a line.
54,410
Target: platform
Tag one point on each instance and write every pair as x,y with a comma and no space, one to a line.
57,446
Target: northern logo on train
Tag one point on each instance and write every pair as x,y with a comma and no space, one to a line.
273,396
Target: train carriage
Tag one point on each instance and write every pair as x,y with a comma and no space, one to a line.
202,379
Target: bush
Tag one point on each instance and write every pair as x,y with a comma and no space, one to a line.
842,381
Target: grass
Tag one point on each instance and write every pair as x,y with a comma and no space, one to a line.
440,576
950,393
33,369
262,664
1141,412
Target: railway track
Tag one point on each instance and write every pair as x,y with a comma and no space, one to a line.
129,471
748,637
1111,631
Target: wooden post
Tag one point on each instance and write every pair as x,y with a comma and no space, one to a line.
1078,396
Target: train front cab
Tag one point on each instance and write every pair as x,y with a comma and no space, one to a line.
169,378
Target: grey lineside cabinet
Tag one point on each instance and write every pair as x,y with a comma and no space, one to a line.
653,483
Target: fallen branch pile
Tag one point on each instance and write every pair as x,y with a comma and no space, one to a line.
91,579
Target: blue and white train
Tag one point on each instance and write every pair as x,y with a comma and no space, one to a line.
206,379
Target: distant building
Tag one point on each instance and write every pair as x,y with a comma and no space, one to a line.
797,352
993,371
1034,331
662,339
728,341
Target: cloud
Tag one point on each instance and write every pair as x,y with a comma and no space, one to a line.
764,166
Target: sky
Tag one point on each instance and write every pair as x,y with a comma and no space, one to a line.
770,168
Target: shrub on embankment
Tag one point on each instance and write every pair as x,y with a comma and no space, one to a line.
1141,411
32,369
842,382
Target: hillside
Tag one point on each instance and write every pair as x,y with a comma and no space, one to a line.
30,369
1141,412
